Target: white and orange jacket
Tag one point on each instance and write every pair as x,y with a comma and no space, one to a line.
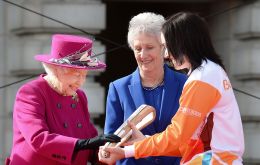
207,127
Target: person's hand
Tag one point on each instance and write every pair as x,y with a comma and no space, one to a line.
136,135
95,142
115,153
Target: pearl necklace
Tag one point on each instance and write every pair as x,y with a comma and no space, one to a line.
153,87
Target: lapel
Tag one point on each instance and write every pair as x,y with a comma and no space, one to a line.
168,105
135,89
171,87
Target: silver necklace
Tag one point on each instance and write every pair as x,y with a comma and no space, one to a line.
154,87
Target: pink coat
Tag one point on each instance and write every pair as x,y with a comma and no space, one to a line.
47,125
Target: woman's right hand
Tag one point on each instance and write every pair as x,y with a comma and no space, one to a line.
136,135
114,154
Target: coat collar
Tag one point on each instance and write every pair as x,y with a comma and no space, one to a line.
171,92
136,90
170,84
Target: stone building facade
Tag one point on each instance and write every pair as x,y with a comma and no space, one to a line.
236,35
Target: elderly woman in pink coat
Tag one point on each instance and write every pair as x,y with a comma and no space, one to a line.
51,123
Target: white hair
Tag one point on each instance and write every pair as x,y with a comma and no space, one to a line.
54,73
49,69
53,69
146,22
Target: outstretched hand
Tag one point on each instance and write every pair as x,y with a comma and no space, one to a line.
115,153
110,155
102,139
97,141
136,135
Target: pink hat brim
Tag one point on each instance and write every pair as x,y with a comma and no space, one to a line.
46,59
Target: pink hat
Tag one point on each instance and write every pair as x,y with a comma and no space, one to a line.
72,52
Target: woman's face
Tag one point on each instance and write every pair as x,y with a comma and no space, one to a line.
147,50
71,80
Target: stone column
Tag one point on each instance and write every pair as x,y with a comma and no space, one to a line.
236,35
4,118
246,71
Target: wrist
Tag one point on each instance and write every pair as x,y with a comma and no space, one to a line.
129,151
82,144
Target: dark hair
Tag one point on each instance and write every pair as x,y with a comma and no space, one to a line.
187,34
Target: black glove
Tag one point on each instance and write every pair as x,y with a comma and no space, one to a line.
95,142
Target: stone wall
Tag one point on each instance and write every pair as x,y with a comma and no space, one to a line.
236,38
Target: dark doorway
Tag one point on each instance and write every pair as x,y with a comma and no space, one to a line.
121,61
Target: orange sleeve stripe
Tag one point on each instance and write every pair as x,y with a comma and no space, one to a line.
227,157
198,98
152,146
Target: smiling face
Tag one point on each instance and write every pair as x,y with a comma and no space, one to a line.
147,50
71,80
